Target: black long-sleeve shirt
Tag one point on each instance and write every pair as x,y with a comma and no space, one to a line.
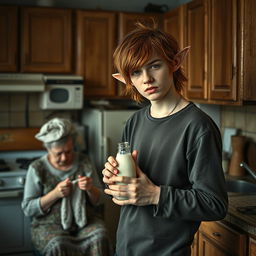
180,153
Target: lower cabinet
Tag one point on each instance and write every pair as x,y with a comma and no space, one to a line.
252,246
218,239
194,246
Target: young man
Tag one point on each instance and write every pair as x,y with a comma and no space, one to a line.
177,149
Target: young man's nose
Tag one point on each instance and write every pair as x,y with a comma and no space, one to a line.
147,78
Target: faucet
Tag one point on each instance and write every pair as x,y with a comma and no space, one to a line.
248,169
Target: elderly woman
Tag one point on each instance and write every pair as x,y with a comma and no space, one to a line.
60,191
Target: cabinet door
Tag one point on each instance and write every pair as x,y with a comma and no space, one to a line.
127,21
174,24
196,37
218,239
15,227
223,63
252,247
247,51
46,40
208,248
194,246
8,38
95,42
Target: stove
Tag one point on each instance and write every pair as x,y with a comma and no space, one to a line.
18,147
14,166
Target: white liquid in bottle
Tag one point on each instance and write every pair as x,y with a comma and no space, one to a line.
126,164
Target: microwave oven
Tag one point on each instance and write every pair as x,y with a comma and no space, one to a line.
62,92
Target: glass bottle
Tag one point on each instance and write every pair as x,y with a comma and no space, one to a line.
126,164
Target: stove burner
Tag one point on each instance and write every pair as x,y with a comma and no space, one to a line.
3,166
25,162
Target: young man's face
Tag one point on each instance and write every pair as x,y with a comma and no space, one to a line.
62,157
154,80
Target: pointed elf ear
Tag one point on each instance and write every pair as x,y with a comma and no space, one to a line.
180,57
119,77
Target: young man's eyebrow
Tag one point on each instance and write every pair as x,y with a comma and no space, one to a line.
152,62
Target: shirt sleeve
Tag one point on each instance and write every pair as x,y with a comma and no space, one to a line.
206,199
32,193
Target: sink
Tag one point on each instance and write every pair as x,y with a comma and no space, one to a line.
240,186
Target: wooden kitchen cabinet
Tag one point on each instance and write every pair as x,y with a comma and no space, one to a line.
232,62
223,66
252,246
95,43
196,36
127,21
174,24
194,246
46,36
218,239
8,38
221,63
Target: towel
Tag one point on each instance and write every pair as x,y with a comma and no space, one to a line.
55,129
74,207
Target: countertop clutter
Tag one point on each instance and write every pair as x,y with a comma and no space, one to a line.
247,220
242,206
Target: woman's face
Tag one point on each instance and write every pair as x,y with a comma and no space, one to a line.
154,79
61,157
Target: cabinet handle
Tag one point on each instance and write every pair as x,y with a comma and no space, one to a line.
216,234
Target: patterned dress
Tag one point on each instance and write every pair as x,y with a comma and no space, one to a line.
48,236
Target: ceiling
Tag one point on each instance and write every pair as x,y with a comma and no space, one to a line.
118,5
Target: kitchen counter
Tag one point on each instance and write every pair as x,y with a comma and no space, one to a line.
243,221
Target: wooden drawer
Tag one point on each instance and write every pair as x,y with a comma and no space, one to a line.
226,237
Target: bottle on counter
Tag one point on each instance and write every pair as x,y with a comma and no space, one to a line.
126,164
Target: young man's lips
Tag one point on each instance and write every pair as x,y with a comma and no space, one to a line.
151,90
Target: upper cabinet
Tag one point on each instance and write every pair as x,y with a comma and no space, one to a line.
223,50
95,42
46,36
221,63
196,36
35,39
8,38
174,24
127,21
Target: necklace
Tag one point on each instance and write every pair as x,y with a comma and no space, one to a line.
176,105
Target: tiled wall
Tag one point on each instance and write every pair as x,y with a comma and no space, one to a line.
243,118
22,110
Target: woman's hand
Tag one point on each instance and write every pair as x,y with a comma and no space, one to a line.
139,191
85,183
63,188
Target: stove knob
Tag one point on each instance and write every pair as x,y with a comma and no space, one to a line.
21,180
